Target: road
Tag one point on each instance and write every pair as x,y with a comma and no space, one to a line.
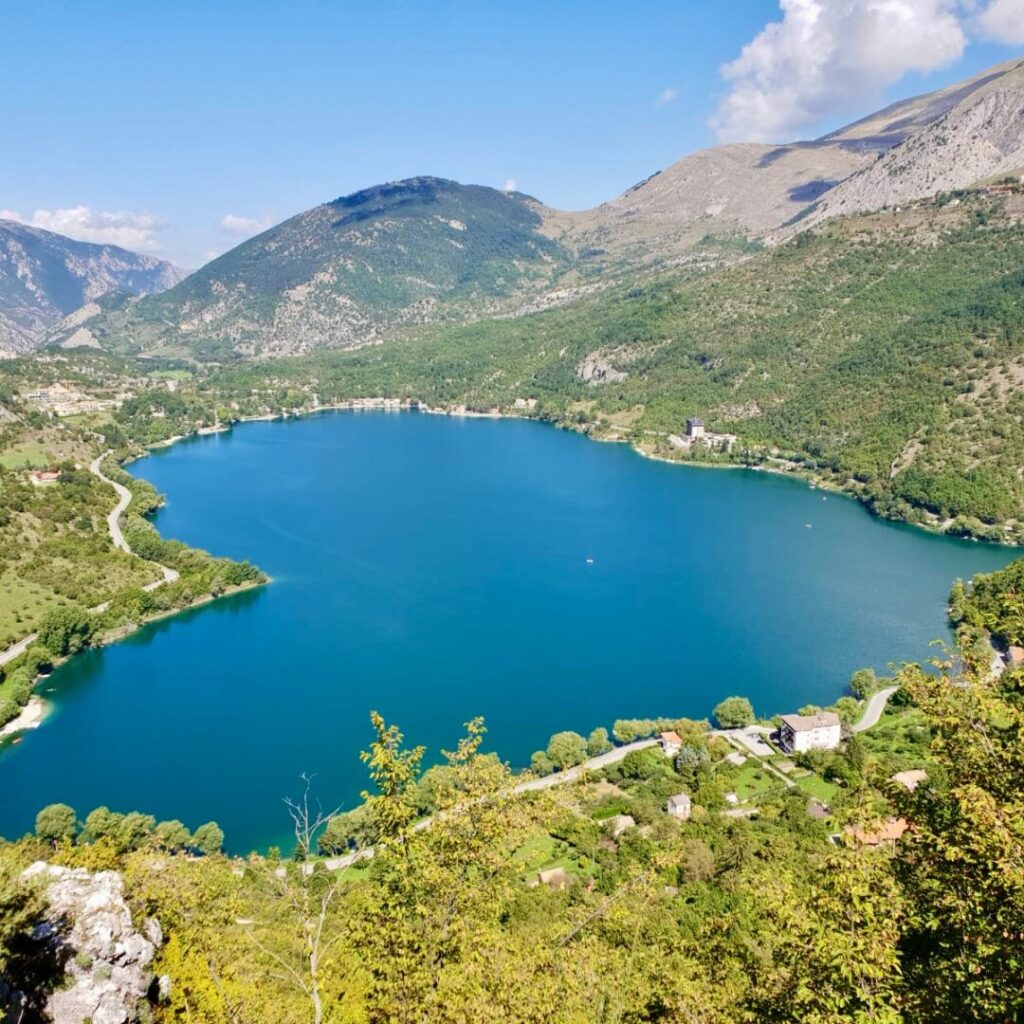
533,786
124,497
873,712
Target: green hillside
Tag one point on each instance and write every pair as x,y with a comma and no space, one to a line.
882,352
341,273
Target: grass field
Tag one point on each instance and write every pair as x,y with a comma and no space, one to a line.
26,455
22,605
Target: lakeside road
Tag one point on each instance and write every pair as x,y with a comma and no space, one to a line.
33,716
124,497
873,712
531,786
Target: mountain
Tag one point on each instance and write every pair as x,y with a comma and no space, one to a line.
349,271
896,154
374,265
45,276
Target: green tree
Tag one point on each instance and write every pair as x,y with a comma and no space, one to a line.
864,682
598,742
541,764
101,823
134,830
208,838
354,828
734,713
65,630
56,822
172,836
566,749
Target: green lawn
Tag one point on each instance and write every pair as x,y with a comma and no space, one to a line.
815,785
26,455
753,781
22,605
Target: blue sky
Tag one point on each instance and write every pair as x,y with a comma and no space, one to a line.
178,128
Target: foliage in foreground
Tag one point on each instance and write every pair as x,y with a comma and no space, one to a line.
719,919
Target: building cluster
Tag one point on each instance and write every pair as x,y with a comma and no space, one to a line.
62,400
697,435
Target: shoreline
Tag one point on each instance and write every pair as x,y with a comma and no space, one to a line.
809,478
31,716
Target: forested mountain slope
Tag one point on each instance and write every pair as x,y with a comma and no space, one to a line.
349,271
884,351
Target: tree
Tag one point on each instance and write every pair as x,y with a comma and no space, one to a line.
734,713
863,682
393,771
541,764
696,861
56,822
567,749
65,630
134,830
22,907
101,823
208,838
355,828
598,742
172,836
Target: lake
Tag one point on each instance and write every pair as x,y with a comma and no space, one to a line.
436,569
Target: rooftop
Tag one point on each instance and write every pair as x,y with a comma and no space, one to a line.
804,723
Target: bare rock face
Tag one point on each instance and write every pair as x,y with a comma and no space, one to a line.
596,369
106,961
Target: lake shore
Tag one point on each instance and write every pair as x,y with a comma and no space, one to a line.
31,716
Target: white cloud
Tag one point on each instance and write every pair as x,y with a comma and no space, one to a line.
136,231
234,224
666,96
511,185
1003,22
834,56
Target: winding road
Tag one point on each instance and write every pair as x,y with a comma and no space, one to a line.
873,712
124,497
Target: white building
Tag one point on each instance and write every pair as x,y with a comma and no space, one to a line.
800,733
671,743
695,427
679,806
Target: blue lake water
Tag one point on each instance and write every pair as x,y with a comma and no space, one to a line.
437,569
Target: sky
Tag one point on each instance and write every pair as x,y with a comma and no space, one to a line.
179,129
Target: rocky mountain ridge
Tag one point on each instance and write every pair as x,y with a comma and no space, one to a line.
382,262
46,276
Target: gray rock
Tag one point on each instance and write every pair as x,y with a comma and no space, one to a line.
107,960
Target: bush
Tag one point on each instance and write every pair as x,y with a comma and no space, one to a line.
734,713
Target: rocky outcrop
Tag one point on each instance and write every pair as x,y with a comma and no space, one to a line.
90,933
596,369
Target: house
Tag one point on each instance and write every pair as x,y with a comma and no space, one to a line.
800,733
671,743
1015,656
619,824
554,878
43,477
884,833
910,779
679,806
695,427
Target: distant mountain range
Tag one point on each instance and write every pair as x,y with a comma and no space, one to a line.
373,265
44,277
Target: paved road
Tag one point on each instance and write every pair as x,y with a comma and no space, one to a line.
15,650
533,786
124,497
873,712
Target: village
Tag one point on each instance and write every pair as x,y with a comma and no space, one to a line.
758,766
697,435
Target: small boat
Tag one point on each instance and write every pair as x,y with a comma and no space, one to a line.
808,525
590,561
